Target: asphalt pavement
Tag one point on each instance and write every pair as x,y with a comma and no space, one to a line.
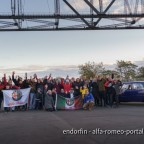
123,125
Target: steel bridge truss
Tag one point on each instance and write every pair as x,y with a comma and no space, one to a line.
78,15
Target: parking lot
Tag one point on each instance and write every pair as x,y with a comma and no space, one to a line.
40,127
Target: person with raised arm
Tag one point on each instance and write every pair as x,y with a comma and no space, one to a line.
10,86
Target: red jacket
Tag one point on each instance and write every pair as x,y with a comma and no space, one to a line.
107,83
2,86
14,87
67,86
5,81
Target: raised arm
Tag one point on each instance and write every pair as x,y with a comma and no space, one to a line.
13,79
5,81
49,77
25,76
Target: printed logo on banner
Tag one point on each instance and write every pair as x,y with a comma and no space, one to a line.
16,95
69,102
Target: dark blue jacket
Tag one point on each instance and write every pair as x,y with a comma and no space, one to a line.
88,97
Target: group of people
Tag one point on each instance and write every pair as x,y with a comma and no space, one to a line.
98,91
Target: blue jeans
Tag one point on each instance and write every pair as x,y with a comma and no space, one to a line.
32,101
13,108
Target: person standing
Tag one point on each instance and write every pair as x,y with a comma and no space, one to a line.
49,103
95,91
38,102
111,93
102,91
1,94
58,86
117,86
32,94
83,90
66,85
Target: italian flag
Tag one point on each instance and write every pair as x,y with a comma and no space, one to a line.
69,103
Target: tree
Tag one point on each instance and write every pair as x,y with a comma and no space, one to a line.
140,72
91,69
126,69
110,72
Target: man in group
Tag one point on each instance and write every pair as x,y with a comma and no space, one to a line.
88,101
102,91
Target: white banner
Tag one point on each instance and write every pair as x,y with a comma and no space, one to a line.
16,97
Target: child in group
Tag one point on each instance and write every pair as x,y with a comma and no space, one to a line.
83,91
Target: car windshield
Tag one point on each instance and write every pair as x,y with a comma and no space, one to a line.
127,86
138,86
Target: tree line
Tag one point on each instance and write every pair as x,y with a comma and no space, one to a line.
125,70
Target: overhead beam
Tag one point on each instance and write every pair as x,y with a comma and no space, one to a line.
13,9
72,29
63,16
91,12
79,15
57,12
92,6
108,7
80,19
101,5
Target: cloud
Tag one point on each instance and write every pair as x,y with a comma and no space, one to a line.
56,71
23,68
140,63
40,69
117,7
81,5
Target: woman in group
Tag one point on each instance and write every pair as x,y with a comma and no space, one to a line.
83,90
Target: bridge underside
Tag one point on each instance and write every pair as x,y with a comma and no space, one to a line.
60,15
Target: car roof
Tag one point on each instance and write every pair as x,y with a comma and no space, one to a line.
133,82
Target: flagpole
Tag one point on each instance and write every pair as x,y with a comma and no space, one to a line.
28,101
56,102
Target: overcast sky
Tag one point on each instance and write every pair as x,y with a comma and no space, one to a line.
20,49
70,48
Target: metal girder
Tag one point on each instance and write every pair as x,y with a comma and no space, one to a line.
105,12
75,29
77,13
97,15
57,11
92,6
101,5
63,16
91,12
